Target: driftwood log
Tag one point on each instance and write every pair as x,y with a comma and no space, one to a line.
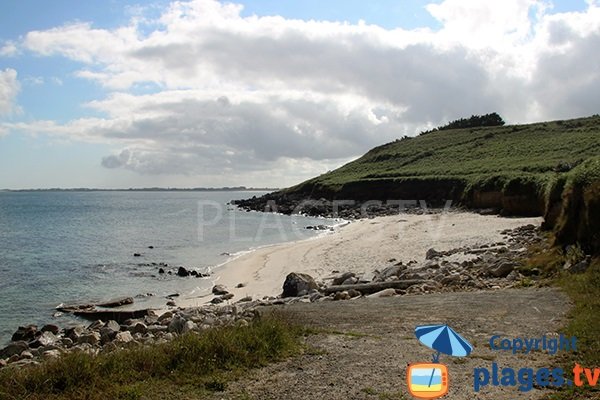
368,288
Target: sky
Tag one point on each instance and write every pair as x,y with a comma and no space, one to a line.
119,94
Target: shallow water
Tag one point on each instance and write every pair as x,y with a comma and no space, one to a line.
71,247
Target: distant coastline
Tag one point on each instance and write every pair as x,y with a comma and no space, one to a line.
150,189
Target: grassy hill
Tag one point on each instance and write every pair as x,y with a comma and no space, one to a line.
549,168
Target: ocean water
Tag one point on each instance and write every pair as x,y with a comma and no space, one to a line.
77,247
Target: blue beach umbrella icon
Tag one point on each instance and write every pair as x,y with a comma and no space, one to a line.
442,339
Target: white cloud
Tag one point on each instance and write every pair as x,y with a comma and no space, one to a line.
9,89
245,94
9,49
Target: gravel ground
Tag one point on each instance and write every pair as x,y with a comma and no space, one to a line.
365,345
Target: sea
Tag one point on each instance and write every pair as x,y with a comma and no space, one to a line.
68,247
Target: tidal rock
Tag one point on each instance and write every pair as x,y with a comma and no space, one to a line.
137,255
116,302
245,299
45,339
161,271
25,333
181,271
228,296
14,348
51,328
298,284
240,285
171,303
219,290
217,300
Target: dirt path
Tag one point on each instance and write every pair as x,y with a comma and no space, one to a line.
367,357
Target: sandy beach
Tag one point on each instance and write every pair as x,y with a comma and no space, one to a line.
361,246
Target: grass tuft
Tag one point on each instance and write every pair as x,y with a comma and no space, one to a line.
194,363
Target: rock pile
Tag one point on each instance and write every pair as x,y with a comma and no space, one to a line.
31,345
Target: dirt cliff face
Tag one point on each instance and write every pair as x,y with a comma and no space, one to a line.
579,219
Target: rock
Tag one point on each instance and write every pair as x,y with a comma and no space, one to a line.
46,339
113,325
150,247
219,290
107,335
123,337
161,271
383,293
181,271
216,300
513,276
26,355
450,280
176,324
96,325
580,266
171,303
3,363
350,281
240,285
51,354
432,253
116,302
228,296
338,280
188,326
341,296
92,338
245,299
165,316
66,342
298,284
389,272
501,269
354,293
139,328
137,255
26,333
51,328
14,348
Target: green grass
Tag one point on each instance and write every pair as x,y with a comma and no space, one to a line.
584,317
531,152
187,367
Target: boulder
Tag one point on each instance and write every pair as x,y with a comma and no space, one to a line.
501,269
113,325
389,272
432,253
95,325
26,333
298,284
338,280
139,328
161,270
176,324
92,338
354,293
181,271
45,339
450,280
219,290
116,302
14,348
228,296
123,337
188,327
245,299
51,328
216,300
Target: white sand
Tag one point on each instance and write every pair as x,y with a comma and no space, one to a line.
360,247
